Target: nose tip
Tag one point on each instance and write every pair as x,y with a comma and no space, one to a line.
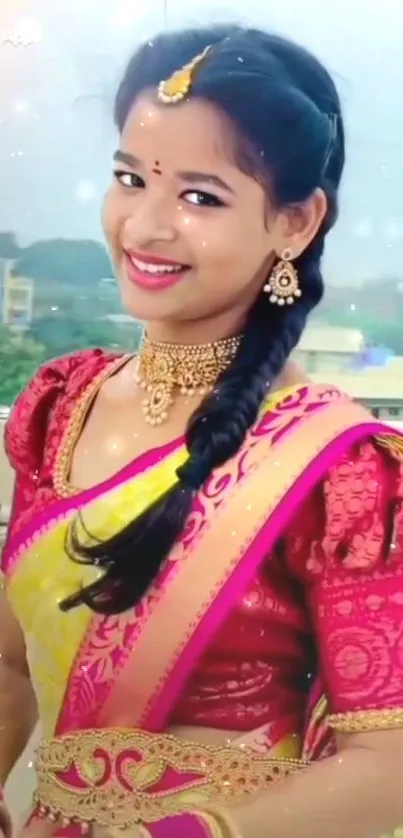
151,220
142,236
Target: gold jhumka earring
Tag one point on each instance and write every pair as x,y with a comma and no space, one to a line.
283,283
176,88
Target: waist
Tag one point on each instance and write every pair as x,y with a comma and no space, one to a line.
119,777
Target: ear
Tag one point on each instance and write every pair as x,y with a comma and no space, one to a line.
301,223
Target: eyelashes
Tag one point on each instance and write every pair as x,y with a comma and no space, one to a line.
203,199
194,197
129,179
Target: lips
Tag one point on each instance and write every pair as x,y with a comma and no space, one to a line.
153,272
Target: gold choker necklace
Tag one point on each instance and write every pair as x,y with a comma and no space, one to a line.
164,368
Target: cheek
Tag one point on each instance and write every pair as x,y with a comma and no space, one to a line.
209,236
237,249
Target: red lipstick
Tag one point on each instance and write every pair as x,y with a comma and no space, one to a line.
153,272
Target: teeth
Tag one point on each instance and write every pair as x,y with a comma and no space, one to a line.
147,267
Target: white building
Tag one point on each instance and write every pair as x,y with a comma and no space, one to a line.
326,348
330,355
377,388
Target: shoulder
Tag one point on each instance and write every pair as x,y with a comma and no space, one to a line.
351,516
362,482
57,382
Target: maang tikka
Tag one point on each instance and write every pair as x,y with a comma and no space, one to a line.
283,282
177,87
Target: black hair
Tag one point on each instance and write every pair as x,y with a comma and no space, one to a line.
289,131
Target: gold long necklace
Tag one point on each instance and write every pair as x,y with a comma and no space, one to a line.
166,369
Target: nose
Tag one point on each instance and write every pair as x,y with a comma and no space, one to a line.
150,221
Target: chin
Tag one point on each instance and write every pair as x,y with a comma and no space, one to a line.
150,306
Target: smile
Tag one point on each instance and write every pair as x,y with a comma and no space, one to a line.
156,270
153,273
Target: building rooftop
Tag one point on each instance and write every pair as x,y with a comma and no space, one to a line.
323,338
371,384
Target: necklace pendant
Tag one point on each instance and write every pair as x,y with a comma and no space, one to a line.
165,371
157,403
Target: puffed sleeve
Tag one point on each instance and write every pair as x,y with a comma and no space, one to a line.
36,422
347,547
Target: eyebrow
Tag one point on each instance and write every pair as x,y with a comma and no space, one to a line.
203,177
124,157
190,177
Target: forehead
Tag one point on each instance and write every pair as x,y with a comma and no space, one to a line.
182,135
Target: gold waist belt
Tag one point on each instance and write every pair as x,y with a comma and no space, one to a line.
125,777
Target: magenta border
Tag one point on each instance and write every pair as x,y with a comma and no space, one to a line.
157,716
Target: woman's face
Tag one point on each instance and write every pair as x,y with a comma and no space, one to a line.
190,235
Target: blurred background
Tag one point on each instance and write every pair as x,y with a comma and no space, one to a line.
59,67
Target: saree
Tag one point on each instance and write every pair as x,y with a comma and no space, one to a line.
106,689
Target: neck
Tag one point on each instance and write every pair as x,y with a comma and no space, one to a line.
196,332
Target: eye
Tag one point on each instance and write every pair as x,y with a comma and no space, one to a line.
129,179
202,199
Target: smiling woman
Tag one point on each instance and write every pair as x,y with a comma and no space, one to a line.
205,555
200,210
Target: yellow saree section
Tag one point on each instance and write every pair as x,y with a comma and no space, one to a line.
44,576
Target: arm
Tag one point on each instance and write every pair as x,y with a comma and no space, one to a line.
18,711
352,573
356,794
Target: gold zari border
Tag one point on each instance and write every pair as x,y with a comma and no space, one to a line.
361,721
109,776
64,455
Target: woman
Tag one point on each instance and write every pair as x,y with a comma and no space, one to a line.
204,565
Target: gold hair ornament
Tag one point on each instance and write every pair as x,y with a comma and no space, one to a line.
283,282
177,87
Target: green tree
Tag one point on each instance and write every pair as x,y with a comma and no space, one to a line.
9,248
69,278
381,333
60,335
20,356
71,262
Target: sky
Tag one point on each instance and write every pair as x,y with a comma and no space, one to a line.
60,65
